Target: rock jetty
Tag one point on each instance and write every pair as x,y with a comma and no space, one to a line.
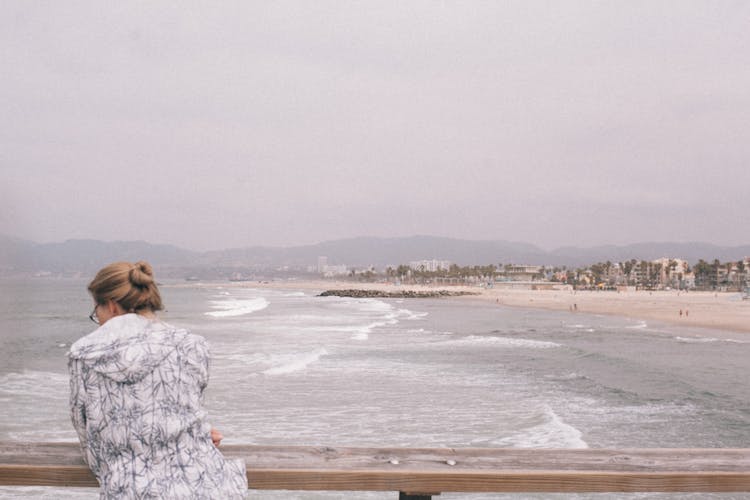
401,294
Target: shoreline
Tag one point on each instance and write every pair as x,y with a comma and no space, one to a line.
725,311
713,310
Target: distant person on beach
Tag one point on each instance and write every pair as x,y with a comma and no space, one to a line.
137,398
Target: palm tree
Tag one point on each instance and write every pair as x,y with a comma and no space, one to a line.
741,273
703,272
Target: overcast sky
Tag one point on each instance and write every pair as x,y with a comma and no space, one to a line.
221,124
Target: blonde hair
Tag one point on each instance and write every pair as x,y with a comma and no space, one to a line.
132,286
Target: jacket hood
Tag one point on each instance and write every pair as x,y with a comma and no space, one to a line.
127,348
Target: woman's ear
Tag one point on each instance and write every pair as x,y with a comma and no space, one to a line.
114,308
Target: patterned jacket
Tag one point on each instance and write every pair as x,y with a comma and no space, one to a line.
136,394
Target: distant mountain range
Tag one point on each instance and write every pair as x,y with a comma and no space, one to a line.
86,256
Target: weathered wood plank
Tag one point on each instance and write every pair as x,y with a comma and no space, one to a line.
42,474
429,470
479,459
498,481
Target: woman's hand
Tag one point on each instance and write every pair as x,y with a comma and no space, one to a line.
216,437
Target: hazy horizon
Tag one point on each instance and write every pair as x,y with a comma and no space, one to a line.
478,240
282,124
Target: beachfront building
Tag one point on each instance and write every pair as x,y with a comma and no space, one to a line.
431,266
639,274
671,272
604,275
326,270
658,274
734,275
331,271
616,275
522,276
560,276
721,276
515,272
688,281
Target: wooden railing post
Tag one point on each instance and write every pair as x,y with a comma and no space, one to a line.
402,495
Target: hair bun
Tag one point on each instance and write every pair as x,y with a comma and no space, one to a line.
142,274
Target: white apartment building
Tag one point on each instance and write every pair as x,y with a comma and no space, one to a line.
672,272
339,270
430,265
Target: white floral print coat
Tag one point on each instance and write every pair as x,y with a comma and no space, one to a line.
136,402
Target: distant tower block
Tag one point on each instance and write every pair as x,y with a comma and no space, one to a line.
322,264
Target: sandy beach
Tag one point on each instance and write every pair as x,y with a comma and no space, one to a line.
719,311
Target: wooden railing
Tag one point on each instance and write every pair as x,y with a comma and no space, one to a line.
419,473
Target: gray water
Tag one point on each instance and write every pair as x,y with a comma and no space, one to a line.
290,368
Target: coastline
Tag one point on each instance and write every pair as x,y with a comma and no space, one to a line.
717,311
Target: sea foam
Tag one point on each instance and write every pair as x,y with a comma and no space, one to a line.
289,363
411,315
551,431
237,307
640,325
504,342
21,394
34,384
705,340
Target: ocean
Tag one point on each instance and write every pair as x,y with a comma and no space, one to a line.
290,368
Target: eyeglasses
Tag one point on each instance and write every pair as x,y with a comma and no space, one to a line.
93,317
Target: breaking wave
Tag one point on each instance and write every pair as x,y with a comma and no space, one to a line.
236,307
504,342
544,430
290,363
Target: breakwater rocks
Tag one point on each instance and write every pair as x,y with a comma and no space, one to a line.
400,294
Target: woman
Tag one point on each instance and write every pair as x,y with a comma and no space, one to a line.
136,398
